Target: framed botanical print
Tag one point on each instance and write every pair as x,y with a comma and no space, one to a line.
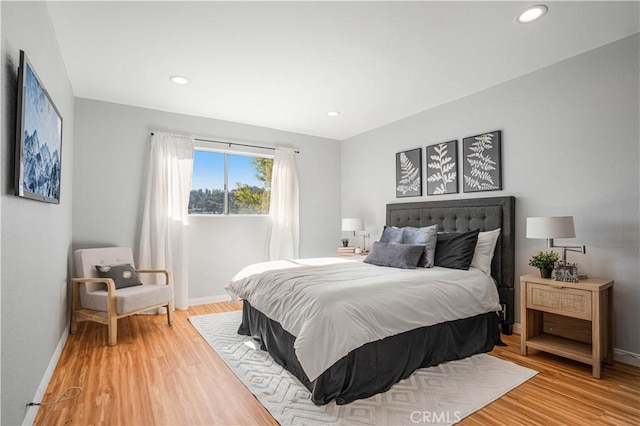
482,162
409,173
442,168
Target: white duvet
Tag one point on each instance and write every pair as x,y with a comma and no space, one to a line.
333,306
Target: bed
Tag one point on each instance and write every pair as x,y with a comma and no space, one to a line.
373,363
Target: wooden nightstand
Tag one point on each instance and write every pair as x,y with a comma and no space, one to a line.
351,253
573,320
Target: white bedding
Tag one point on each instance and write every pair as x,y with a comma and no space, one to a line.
333,306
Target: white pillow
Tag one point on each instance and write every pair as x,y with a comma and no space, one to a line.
485,247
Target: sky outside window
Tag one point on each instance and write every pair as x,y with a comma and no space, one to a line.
208,170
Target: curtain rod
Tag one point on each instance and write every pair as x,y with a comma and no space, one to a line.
228,143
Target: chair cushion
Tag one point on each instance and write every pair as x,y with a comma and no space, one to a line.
87,259
122,275
129,299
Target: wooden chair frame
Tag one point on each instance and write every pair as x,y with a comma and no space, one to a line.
112,317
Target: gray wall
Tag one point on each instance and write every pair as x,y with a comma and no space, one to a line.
570,147
111,155
36,237
1,174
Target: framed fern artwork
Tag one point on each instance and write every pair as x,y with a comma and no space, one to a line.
409,173
482,167
442,168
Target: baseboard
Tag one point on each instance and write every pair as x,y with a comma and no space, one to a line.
209,299
31,412
516,328
619,355
626,357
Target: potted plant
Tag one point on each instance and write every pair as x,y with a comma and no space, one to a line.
544,261
345,242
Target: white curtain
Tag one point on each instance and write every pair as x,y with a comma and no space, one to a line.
164,236
284,222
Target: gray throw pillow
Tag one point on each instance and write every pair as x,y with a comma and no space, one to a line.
426,236
122,275
391,235
403,256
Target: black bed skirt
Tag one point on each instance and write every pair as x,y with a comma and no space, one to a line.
376,366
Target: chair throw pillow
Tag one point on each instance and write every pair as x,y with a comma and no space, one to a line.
405,256
122,275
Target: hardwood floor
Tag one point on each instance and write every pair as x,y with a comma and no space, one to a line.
169,375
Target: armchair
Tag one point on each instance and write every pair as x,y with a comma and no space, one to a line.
97,299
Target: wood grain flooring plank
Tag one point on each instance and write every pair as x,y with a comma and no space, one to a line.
159,375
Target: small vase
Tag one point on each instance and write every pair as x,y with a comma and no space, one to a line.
545,272
345,244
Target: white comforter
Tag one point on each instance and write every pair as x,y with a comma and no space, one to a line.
333,306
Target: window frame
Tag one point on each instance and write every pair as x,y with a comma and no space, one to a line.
226,152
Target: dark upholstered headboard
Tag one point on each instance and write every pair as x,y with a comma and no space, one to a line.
464,215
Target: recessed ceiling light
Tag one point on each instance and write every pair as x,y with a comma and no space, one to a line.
178,79
333,113
532,13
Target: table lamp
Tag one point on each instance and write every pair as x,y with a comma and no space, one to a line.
554,227
352,225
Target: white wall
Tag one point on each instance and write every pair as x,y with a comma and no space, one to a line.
36,236
570,147
111,155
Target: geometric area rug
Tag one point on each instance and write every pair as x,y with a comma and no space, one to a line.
441,395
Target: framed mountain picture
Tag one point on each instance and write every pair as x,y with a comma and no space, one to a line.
442,168
38,139
409,173
482,169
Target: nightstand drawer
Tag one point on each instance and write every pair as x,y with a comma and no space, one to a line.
559,300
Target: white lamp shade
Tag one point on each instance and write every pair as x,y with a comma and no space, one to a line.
352,224
550,227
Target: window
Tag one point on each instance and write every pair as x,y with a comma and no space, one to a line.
227,184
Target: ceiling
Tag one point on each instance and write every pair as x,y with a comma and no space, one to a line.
284,65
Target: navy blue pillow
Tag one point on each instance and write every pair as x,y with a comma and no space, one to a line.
405,256
455,249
